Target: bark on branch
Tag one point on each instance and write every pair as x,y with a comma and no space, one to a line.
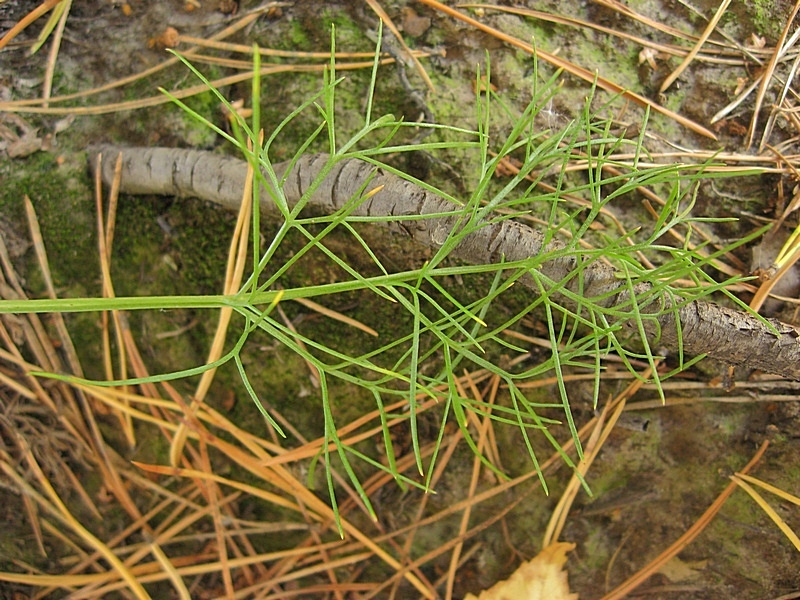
731,336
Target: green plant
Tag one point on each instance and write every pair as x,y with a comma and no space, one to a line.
449,329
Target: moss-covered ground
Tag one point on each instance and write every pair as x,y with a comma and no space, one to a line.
648,485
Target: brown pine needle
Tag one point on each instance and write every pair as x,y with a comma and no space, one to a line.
712,24
375,6
321,510
603,425
19,27
484,427
578,71
336,316
234,272
52,56
247,49
35,107
227,32
668,49
787,258
626,10
33,519
770,512
211,493
770,488
32,328
60,511
766,79
696,529
105,233
78,487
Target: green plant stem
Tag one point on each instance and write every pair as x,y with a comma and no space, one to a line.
732,336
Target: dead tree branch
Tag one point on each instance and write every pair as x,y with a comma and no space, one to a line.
731,336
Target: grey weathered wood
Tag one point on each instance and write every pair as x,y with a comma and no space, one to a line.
731,336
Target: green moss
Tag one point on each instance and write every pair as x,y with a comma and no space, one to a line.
195,134
297,37
766,16
282,382
348,33
596,549
163,124
62,199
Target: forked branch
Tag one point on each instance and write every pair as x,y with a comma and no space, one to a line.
731,336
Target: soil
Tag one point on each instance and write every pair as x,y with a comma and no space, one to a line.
657,473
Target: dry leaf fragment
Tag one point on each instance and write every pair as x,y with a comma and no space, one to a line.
24,146
756,42
228,400
63,124
541,578
17,137
648,55
238,109
741,83
413,24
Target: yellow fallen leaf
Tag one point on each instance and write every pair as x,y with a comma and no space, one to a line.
541,578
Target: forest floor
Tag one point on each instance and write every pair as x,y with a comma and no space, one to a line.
659,469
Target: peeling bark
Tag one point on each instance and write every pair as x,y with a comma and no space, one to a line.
731,336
